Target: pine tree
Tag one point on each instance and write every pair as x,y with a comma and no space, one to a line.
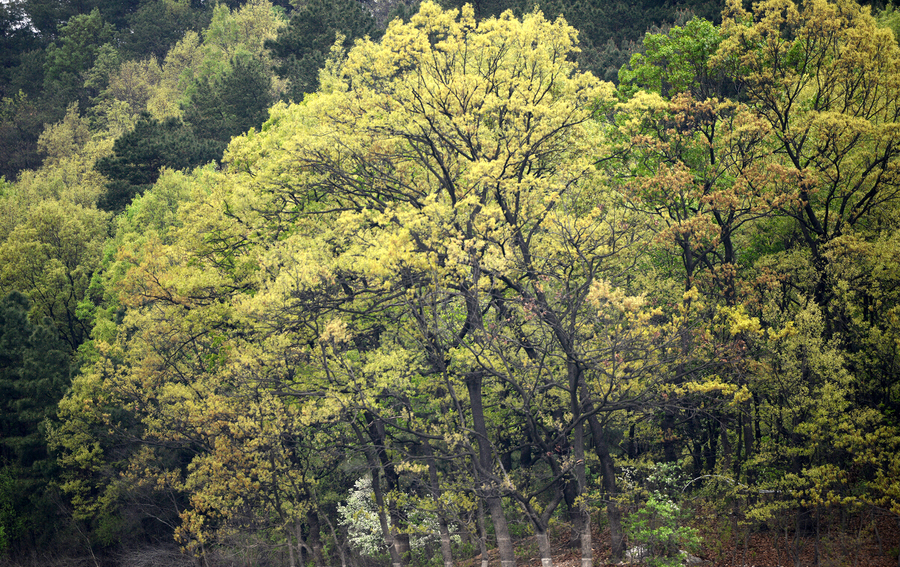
229,105
302,46
34,375
139,155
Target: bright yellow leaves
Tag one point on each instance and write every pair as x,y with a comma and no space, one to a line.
827,80
426,213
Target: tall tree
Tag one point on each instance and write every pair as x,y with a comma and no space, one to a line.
140,154
424,250
228,105
68,59
827,80
303,45
51,255
34,375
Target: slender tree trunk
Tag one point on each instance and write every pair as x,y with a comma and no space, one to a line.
670,453
383,518
482,535
726,446
570,491
543,541
584,523
607,468
492,496
576,380
291,560
375,470
694,430
747,418
713,436
304,551
446,550
337,542
315,539
501,529
378,437
541,520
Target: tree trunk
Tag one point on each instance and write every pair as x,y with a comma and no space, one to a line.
378,437
482,535
488,486
614,514
372,460
584,517
315,539
291,561
544,546
670,452
446,551
383,519
337,542
694,430
713,436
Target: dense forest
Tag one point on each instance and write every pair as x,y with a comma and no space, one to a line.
371,282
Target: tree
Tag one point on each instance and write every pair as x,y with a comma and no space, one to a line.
423,250
51,255
246,29
34,375
677,62
225,106
80,41
157,25
133,83
20,124
826,78
303,45
140,154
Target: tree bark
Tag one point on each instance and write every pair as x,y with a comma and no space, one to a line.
614,514
337,542
544,547
446,550
584,523
488,485
375,470
482,535
378,437
315,539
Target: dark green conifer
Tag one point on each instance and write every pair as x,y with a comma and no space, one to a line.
304,44
231,104
139,155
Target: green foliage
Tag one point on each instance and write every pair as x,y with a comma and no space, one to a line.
34,375
232,103
658,530
676,62
889,17
51,255
610,32
303,45
140,155
157,25
459,247
80,42
11,524
20,124
660,533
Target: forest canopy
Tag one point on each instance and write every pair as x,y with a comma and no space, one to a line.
386,295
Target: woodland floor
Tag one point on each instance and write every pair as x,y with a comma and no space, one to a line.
862,542
854,547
